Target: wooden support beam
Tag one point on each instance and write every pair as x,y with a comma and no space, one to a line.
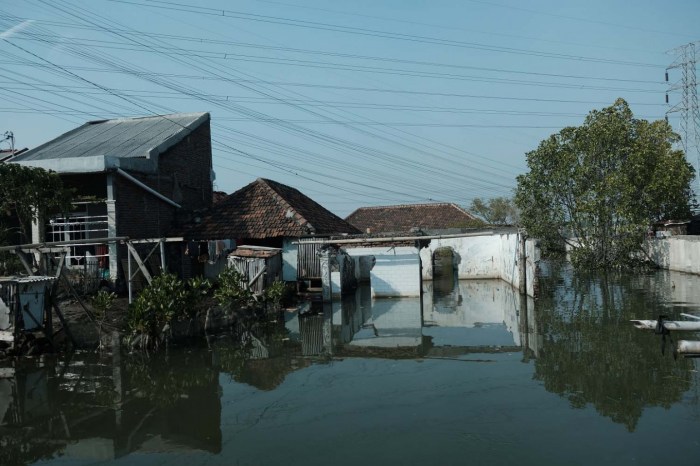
140,263
62,275
24,262
257,275
64,325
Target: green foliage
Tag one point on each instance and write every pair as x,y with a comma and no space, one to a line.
232,291
496,211
10,264
603,183
274,293
27,192
165,300
102,302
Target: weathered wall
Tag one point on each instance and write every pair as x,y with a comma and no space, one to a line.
680,253
488,256
396,271
184,176
290,252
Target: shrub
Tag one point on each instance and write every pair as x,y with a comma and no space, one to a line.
233,291
167,299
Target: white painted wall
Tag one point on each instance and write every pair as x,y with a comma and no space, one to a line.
483,257
289,260
396,271
679,253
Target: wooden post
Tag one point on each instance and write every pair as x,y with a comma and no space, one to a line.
163,267
129,275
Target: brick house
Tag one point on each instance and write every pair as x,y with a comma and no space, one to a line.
134,177
267,213
407,217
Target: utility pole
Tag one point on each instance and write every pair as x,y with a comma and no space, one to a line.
11,137
688,105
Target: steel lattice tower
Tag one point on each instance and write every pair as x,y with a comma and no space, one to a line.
688,105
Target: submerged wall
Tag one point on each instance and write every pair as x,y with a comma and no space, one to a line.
396,270
679,253
495,255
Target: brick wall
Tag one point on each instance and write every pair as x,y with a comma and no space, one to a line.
184,176
189,162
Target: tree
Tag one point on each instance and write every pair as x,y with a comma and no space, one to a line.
598,187
27,193
495,211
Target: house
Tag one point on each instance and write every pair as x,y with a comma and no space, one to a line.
410,217
267,213
132,177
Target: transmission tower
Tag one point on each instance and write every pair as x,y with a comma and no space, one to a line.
688,105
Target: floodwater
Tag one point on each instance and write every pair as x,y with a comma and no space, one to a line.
468,374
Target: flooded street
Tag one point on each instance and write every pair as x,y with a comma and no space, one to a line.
471,373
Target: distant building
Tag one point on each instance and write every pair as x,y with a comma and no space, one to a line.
410,217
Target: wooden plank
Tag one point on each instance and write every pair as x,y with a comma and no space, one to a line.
140,263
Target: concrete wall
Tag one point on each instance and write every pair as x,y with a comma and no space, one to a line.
396,271
290,252
679,253
489,256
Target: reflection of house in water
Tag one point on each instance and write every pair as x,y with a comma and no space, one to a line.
392,323
474,313
472,316
98,411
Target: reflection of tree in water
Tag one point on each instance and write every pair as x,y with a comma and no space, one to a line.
592,354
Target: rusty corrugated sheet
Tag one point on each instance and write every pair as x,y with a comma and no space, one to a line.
308,261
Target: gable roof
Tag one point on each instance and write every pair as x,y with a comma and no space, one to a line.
397,218
97,145
267,209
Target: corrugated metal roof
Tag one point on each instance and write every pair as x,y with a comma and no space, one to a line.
32,279
120,138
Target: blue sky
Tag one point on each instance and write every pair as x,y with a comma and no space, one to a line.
354,103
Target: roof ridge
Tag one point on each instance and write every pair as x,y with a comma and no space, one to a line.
143,117
395,206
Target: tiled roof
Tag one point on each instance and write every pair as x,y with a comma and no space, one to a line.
120,138
403,218
218,196
267,209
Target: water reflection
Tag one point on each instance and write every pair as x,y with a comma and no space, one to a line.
591,354
95,409
575,342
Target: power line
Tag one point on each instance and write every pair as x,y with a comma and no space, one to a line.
232,14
